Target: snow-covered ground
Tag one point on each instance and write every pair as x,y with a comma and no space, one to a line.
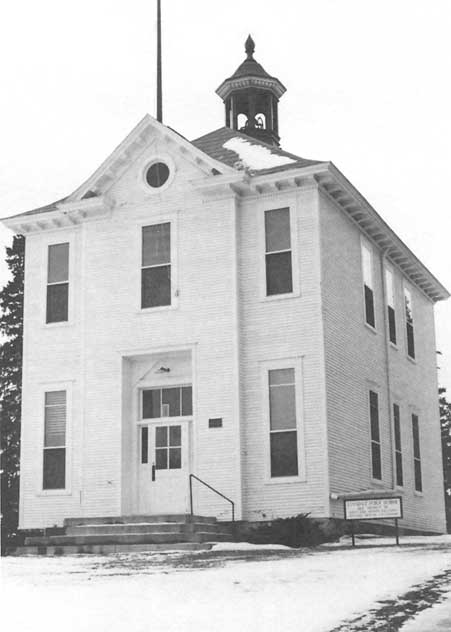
312,591
435,619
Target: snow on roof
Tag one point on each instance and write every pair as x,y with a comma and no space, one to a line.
256,156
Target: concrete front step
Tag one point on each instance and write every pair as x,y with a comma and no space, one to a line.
71,522
106,549
127,538
144,527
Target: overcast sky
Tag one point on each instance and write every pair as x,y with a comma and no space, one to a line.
368,88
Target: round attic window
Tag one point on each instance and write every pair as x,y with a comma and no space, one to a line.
157,174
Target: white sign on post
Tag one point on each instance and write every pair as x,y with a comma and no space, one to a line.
373,508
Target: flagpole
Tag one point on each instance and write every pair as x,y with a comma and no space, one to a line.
159,80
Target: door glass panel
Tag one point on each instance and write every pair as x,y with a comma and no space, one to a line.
175,458
161,436
144,444
161,458
175,435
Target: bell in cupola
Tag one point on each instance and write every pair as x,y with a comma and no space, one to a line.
251,98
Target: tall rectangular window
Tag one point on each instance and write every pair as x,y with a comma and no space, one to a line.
409,323
367,267
279,277
376,461
283,425
156,265
54,475
398,446
58,283
416,454
389,285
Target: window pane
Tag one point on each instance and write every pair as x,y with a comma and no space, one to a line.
161,459
369,306
281,376
55,398
416,437
367,266
397,427
410,341
376,460
418,481
278,274
175,435
408,306
161,436
156,242
171,396
277,230
282,405
399,476
175,458
54,468
57,302
151,404
374,416
284,454
389,286
187,400
144,445
58,264
156,286
55,426
391,324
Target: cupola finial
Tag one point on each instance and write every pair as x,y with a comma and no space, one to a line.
250,47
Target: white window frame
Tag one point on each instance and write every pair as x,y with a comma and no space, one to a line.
270,365
291,204
146,163
47,388
53,240
171,219
150,420
365,245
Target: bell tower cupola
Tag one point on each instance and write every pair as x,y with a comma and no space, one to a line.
251,99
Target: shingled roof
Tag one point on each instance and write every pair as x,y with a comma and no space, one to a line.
213,144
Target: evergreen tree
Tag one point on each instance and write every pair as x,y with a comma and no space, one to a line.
11,335
445,423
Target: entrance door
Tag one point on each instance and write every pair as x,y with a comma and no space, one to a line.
164,467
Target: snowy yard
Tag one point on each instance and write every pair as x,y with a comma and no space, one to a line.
242,589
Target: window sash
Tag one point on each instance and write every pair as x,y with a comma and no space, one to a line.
156,265
391,324
153,401
278,252
369,306
398,445
416,454
376,457
57,298
283,430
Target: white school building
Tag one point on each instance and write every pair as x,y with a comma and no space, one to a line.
223,308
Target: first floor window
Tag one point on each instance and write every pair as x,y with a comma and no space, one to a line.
58,283
279,278
156,265
398,447
376,461
283,425
416,454
54,475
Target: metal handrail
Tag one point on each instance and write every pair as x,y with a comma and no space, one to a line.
191,476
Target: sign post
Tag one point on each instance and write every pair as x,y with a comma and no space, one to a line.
373,509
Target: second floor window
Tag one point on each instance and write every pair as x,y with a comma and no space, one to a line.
58,283
390,305
367,267
156,265
279,278
409,323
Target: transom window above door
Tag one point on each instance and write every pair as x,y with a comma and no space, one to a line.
167,402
